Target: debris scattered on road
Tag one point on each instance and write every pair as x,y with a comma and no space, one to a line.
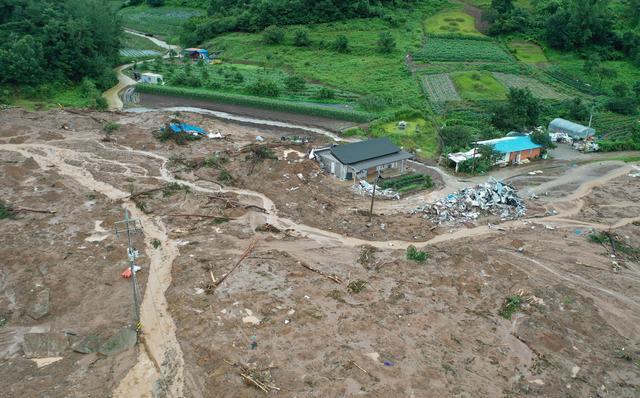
363,188
492,197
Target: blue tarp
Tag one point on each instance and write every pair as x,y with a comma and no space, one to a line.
515,144
187,128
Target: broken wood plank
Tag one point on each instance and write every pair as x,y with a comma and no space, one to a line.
333,277
26,209
244,255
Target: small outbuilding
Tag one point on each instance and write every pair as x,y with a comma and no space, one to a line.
151,78
573,130
514,149
196,53
362,160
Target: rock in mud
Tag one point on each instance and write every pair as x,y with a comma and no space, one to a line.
44,345
121,341
39,305
88,344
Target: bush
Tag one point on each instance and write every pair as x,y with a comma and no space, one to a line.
511,305
264,88
294,83
416,255
372,103
341,44
386,43
273,35
325,93
5,211
110,127
623,105
301,38
101,103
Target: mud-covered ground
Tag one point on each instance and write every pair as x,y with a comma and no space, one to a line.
322,304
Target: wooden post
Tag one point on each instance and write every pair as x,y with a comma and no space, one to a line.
373,195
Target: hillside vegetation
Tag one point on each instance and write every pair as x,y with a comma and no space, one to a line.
62,50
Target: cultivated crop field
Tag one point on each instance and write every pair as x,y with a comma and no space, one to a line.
614,126
457,22
538,89
162,21
528,52
136,53
469,50
440,88
479,86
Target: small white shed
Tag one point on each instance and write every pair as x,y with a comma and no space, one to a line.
151,78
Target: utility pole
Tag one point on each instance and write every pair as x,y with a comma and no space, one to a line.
131,227
373,195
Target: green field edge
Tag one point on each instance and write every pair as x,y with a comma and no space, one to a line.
257,102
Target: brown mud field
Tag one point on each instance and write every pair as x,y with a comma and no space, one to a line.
155,101
260,275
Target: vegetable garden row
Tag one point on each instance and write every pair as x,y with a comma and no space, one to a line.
440,88
259,102
461,49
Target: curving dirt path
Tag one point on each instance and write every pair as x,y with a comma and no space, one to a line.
112,95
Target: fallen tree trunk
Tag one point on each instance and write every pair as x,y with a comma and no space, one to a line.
244,255
26,209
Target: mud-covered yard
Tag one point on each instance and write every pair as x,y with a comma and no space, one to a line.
314,299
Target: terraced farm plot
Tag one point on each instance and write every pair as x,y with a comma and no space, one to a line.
136,53
162,21
479,86
463,50
528,52
440,88
614,126
457,22
538,89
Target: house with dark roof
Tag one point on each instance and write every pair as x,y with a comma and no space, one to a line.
362,160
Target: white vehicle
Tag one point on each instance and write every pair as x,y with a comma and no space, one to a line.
151,78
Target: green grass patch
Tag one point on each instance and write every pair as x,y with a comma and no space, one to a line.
573,66
510,306
613,126
537,88
164,21
258,102
416,255
419,135
528,52
479,86
461,49
129,41
457,22
363,70
408,183
5,211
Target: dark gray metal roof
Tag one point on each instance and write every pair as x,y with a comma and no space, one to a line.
364,150
381,160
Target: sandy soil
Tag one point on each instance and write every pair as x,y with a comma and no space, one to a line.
412,330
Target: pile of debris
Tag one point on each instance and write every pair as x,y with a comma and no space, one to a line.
363,188
492,197
586,146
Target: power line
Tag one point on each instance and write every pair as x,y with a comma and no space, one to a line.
131,227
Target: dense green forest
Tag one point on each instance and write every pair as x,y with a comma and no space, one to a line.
49,45
255,15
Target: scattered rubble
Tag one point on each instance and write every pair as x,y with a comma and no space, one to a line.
586,146
363,188
492,197
125,339
44,345
39,306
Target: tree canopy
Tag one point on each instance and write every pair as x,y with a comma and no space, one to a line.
57,40
255,15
